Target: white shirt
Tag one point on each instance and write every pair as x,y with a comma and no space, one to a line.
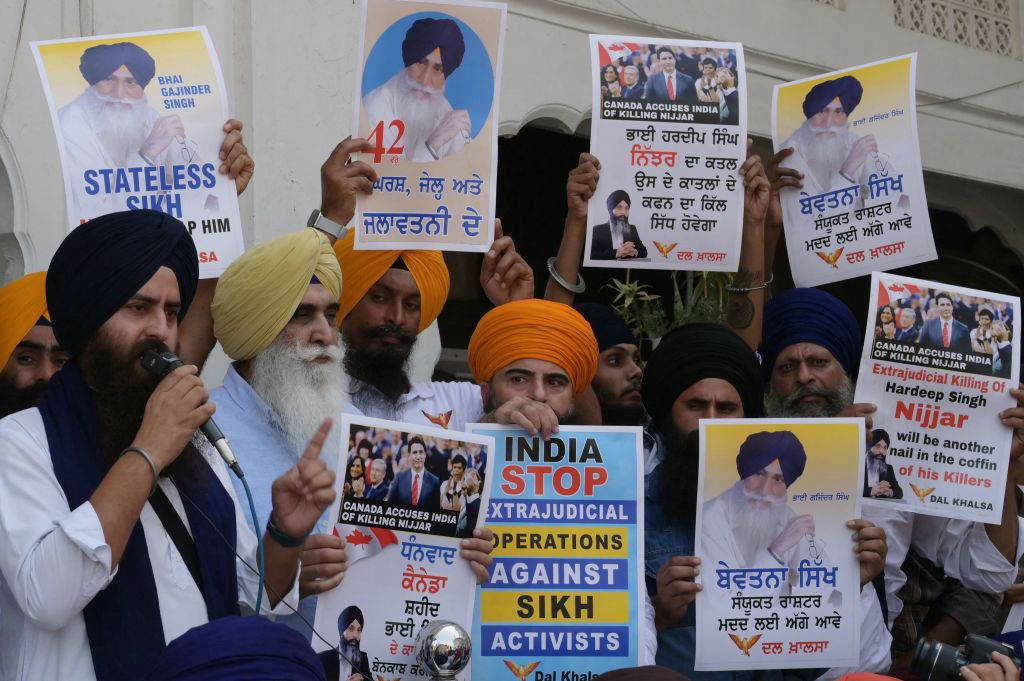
55,560
426,403
959,547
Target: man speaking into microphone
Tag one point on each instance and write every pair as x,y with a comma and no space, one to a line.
120,530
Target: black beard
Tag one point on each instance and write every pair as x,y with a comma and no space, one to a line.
679,474
572,418
14,399
616,414
385,368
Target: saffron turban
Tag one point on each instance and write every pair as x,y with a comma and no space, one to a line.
427,35
689,354
257,295
809,315
848,89
608,327
362,269
534,329
22,303
104,262
617,197
239,649
99,61
760,449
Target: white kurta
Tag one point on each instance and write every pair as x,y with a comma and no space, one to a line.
55,560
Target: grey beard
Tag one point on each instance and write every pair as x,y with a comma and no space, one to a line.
121,133
825,156
790,407
753,529
877,465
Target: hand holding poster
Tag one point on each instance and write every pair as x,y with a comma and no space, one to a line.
670,130
401,516
427,100
939,362
566,594
781,585
853,136
139,122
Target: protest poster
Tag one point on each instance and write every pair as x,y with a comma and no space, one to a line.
939,362
139,123
781,583
427,100
406,495
669,127
862,206
566,594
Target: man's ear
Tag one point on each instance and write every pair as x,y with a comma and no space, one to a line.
485,394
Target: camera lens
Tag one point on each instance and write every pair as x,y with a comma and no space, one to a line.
935,661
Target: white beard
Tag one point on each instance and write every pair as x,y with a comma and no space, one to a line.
301,392
753,527
420,107
120,131
825,154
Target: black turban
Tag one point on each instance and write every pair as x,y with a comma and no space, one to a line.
348,616
848,89
104,262
878,435
609,329
692,353
427,35
810,315
99,61
617,197
760,449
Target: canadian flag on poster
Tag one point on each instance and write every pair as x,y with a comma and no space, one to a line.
617,50
364,542
895,292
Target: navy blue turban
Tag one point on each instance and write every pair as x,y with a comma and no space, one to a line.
608,326
809,315
760,449
348,616
617,197
693,352
878,435
239,649
427,35
99,61
103,263
848,89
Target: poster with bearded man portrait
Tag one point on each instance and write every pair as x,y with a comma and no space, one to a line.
780,582
427,100
852,190
139,123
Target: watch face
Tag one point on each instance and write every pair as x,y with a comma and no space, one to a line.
314,217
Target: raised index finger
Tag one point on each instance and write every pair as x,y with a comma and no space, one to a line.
318,439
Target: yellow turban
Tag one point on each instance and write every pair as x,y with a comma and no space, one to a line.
534,329
363,268
258,294
22,303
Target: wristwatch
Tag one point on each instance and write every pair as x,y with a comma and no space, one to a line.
318,220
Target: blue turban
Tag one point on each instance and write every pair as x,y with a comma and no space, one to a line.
349,615
689,354
104,262
99,61
426,35
809,315
848,89
617,197
760,449
608,326
239,649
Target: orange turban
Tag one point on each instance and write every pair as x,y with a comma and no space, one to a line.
22,303
362,269
534,329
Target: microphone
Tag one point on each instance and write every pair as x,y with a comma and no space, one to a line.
163,363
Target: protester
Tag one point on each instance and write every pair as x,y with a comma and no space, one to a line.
78,471
274,314
28,349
